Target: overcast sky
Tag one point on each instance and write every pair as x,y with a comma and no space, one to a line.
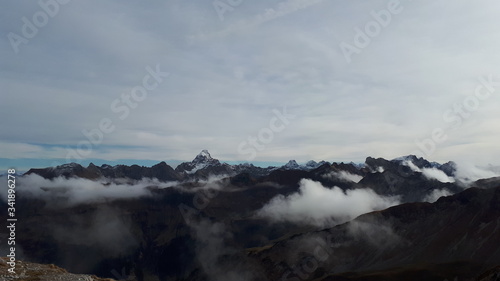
351,78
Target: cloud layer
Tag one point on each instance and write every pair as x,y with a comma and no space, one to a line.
468,172
78,190
319,205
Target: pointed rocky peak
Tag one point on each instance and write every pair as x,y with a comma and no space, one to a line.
164,172
93,168
205,153
161,164
202,161
449,168
312,164
203,157
106,166
292,164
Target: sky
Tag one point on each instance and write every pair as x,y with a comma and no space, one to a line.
123,81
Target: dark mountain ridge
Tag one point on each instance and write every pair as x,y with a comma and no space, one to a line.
206,225
463,229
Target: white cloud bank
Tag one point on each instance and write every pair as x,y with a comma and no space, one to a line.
468,173
344,176
436,194
78,190
322,206
430,173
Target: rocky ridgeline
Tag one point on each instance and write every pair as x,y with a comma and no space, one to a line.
203,166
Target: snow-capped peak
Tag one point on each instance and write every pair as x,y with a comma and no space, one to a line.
203,156
310,165
205,153
201,161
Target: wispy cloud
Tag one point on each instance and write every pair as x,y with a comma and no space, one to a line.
436,194
344,175
211,249
430,173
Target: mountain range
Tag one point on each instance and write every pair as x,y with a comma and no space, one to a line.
203,166
400,219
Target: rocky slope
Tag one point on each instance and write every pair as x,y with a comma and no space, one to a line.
27,271
456,236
